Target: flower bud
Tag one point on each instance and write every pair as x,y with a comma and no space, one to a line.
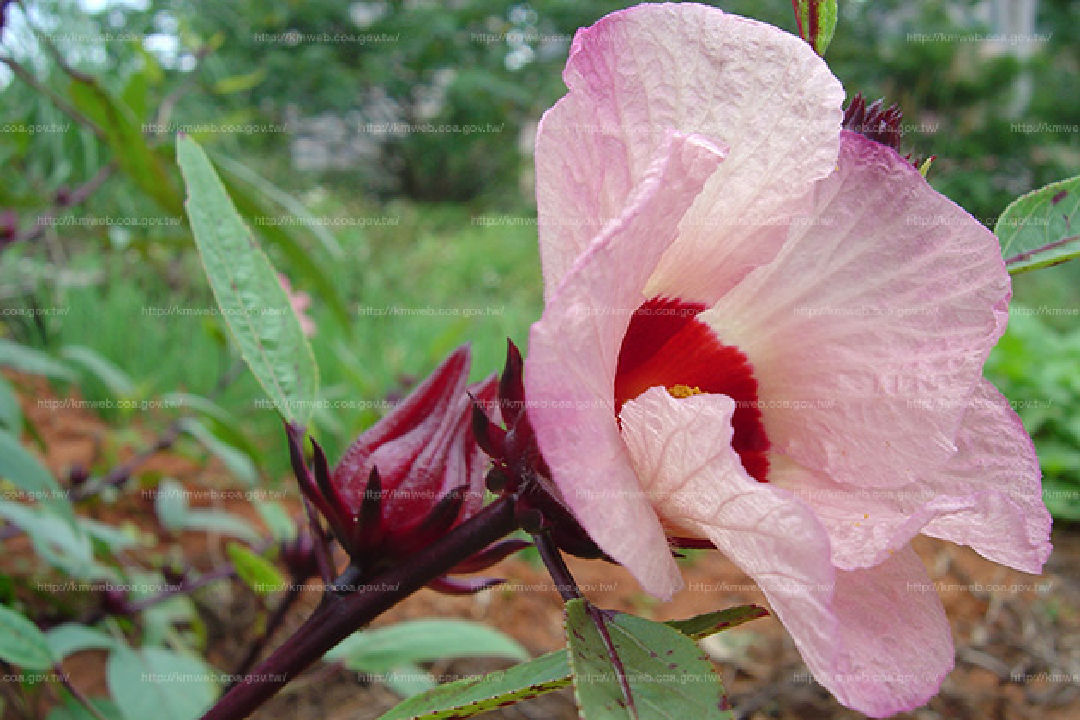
410,478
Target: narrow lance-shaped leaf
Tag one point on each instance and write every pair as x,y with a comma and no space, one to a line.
817,22
248,291
1041,228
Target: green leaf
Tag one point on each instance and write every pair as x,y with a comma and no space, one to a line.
408,680
10,410
56,539
259,573
70,638
153,682
239,83
817,22
277,519
702,626
25,472
250,197
174,513
222,522
123,132
237,461
116,380
472,696
384,649
171,505
246,287
290,204
72,709
1041,228
21,643
547,673
29,360
669,676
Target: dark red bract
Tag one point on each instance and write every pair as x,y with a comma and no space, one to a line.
409,479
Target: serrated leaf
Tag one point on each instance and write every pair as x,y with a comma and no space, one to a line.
817,22
383,649
1041,228
547,673
472,696
29,360
153,682
668,675
70,638
21,643
259,573
702,626
253,303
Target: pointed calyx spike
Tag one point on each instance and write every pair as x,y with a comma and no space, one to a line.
882,125
519,469
875,121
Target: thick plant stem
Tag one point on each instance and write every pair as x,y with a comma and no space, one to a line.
341,615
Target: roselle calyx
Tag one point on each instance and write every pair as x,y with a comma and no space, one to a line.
519,468
408,479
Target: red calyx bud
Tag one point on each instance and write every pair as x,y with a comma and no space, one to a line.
410,478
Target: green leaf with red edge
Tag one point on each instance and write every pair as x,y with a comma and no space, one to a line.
817,22
472,696
1041,228
650,672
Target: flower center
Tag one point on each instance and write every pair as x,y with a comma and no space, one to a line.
665,345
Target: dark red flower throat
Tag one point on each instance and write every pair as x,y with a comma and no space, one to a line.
667,345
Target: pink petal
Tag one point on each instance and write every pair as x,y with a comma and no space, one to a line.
896,645
869,330
987,496
878,638
636,74
1006,520
589,313
681,450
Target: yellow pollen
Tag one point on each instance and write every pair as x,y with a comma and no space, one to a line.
683,391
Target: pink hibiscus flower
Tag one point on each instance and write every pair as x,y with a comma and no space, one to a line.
767,332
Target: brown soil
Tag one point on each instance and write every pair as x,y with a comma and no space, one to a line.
1017,636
